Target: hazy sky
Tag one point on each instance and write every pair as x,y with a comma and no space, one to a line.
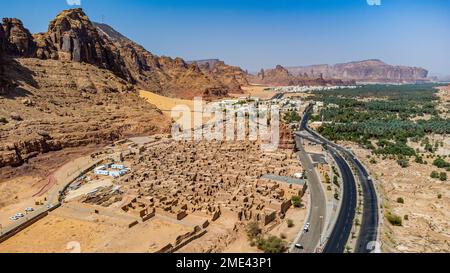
264,33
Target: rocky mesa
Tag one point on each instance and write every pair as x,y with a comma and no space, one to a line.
372,71
280,76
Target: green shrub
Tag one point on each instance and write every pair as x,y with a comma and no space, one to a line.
394,219
443,176
253,230
434,174
400,200
336,181
272,245
441,163
403,162
296,201
419,159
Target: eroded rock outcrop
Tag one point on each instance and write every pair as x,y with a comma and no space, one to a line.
71,36
231,76
66,105
17,40
164,75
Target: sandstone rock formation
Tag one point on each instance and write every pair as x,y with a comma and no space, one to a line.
365,71
17,40
75,85
71,36
232,76
56,105
280,76
164,75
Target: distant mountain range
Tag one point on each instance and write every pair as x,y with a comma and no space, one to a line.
280,76
364,71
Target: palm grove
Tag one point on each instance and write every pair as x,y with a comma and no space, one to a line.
383,118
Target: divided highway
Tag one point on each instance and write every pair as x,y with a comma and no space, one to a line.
369,226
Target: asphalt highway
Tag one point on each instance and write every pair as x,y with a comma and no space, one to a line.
369,226
311,239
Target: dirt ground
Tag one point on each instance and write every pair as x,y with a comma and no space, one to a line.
257,91
166,105
16,195
428,227
20,187
94,233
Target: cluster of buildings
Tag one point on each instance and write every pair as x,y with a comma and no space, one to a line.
207,178
112,170
300,89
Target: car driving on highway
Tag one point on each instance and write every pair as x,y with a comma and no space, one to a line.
307,226
299,246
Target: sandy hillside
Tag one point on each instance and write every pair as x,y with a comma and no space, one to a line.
257,91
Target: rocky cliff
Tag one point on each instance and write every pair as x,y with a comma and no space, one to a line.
71,36
68,87
17,39
281,76
231,76
365,71
164,75
55,105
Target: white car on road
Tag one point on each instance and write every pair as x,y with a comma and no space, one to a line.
20,215
13,218
307,226
299,246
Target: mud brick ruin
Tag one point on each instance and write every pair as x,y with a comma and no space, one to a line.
178,178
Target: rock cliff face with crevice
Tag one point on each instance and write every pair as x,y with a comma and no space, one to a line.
365,71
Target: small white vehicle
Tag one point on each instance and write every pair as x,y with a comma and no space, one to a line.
29,209
20,215
307,226
13,218
299,246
